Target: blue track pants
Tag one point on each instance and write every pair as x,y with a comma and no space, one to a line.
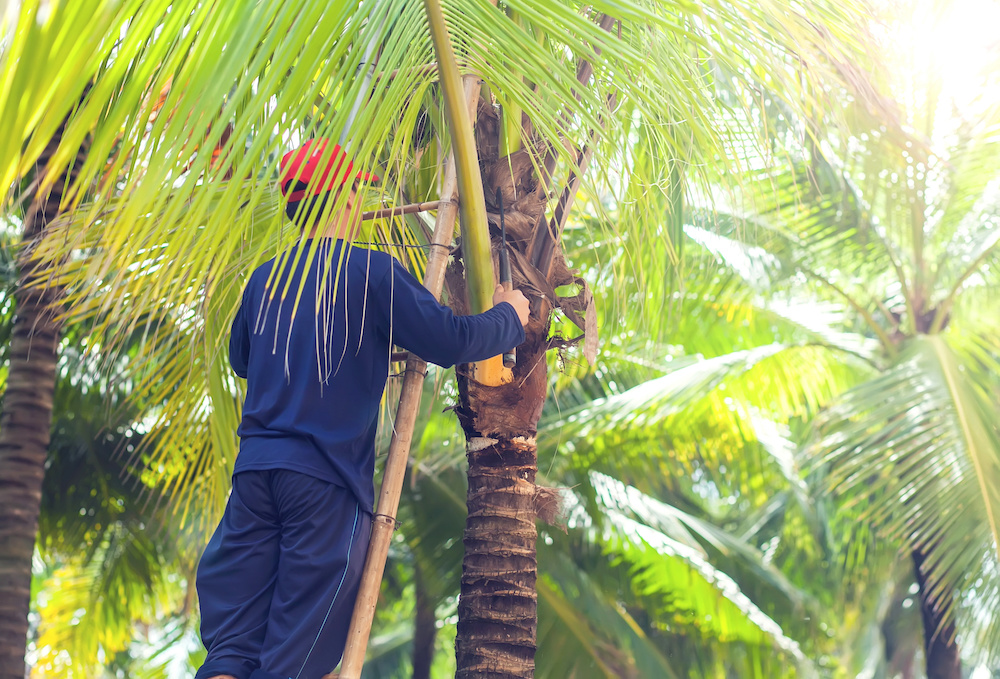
278,580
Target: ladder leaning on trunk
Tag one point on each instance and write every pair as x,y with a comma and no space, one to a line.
406,414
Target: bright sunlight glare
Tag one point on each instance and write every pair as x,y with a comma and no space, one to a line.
953,42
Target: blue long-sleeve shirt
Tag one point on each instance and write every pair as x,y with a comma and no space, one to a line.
314,383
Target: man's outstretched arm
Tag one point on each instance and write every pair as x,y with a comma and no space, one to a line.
420,324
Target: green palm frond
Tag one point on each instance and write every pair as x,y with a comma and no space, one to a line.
917,449
90,606
969,171
256,72
569,605
761,272
435,515
169,648
697,417
818,225
709,540
48,54
389,652
657,559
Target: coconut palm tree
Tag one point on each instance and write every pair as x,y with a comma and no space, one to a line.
910,448
116,573
27,404
109,561
894,232
192,103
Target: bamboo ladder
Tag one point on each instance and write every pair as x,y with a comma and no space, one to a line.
461,114
402,436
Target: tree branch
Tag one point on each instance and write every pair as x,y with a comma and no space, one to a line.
547,247
546,235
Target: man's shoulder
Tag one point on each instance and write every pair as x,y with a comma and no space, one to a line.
359,262
262,272
265,268
372,264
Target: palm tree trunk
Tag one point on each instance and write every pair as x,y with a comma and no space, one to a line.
497,611
940,647
498,606
27,417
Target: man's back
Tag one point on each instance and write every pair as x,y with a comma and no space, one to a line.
316,370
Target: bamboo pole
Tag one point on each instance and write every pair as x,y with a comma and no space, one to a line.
401,210
399,447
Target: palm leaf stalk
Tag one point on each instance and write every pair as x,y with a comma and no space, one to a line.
476,247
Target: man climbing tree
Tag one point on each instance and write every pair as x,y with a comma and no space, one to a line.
278,579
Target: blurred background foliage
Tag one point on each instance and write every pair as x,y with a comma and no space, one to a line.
785,461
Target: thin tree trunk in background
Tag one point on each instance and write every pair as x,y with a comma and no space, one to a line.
424,631
940,646
27,418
